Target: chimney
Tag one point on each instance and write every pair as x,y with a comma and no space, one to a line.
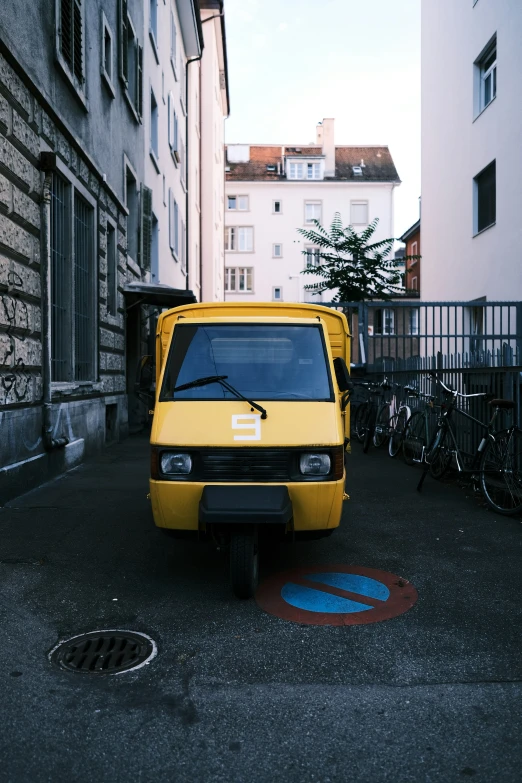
328,143
319,134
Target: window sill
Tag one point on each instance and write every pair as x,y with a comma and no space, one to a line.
154,45
481,112
72,81
175,156
133,266
482,230
174,255
155,160
108,83
174,69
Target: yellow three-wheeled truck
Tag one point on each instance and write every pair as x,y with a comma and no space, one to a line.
250,424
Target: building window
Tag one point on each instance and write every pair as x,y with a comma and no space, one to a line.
173,128
71,44
239,239
72,284
277,294
239,203
112,270
277,251
312,256
358,213
384,321
277,207
154,148
414,251
153,25
414,321
304,170
173,224
131,62
173,45
312,211
485,198
131,202
239,279
107,49
414,283
182,87
486,67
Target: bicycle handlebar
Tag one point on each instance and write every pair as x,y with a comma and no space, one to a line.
454,392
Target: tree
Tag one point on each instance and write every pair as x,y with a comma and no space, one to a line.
353,266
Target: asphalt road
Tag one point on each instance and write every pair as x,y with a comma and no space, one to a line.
236,694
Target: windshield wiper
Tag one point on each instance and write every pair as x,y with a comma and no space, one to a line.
222,380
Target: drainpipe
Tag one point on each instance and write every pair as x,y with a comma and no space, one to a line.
48,165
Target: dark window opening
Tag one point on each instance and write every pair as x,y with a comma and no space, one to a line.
486,197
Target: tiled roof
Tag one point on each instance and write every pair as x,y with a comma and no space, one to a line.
378,163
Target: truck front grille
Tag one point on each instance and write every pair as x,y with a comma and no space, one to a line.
239,464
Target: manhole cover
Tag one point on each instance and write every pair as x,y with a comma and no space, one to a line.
104,652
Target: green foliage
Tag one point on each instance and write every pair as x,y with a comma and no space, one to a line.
351,264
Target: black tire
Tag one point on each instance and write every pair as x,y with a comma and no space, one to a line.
244,565
398,424
501,472
370,428
381,431
414,440
360,421
438,456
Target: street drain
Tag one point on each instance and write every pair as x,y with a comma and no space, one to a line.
104,652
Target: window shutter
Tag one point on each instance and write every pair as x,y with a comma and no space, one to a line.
139,81
66,37
78,41
146,227
124,41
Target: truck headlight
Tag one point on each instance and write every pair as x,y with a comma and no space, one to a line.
315,464
174,462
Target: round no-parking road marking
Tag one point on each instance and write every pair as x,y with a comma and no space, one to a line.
336,595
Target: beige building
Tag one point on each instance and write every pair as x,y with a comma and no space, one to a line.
272,190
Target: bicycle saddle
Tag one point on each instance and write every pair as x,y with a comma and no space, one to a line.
502,403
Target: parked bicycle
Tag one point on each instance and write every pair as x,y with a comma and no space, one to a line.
399,417
497,463
419,430
374,409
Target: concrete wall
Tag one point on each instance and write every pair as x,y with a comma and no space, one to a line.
270,228
457,145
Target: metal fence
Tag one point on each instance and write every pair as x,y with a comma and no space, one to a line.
473,346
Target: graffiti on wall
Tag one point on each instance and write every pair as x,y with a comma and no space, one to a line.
16,383
18,440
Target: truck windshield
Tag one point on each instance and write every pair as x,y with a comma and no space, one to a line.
262,362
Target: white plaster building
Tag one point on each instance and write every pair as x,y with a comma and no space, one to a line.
186,101
471,151
272,190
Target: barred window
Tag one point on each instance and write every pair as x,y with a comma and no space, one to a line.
72,284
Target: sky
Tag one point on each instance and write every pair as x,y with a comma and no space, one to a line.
293,62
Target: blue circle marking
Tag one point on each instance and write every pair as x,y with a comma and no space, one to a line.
312,600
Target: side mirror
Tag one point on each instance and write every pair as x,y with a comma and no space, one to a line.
143,386
342,375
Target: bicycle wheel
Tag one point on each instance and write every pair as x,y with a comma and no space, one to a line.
397,430
431,454
414,440
501,472
382,426
359,421
439,456
370,427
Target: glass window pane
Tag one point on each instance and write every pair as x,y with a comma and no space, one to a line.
232,202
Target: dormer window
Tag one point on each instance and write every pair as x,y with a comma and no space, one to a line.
304,170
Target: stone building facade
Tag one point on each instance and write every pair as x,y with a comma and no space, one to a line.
72,235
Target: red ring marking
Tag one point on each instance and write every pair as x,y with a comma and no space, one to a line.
403,596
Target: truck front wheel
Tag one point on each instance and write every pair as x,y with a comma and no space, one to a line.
244,564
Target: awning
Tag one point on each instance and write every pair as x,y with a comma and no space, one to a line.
156,294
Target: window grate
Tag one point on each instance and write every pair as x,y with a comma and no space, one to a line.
83,291
59,280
